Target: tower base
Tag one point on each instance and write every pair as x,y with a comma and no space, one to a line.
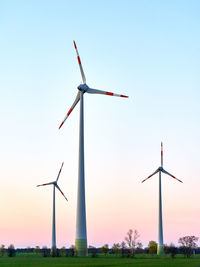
160,250
81,247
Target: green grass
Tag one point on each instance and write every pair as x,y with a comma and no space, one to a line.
31,260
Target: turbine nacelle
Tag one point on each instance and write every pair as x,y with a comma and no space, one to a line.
83,87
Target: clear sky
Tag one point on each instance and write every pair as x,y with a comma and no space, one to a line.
148,50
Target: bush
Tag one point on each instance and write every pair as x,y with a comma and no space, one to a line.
143,255
11,251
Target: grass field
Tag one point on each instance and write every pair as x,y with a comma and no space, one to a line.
30,260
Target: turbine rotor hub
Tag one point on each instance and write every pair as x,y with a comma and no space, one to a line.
160,168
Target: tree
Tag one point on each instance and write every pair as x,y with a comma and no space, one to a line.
72,251
165,248
116,248
55,252
11,251
63,251
188,244
2,250
152,247
123,248
105,249
139,247
172,250
28,250
132,241
37,250
45,251
93,251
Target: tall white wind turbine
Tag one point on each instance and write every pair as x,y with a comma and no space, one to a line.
81,230
55,185
160,223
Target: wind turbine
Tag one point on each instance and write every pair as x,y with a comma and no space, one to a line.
55,185
160,249
81,230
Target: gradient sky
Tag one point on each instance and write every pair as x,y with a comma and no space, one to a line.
148,50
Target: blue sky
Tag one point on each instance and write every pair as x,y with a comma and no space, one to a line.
148,50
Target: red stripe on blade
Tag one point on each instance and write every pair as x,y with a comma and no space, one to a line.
69,111
61,125
79,61
74,44
123,96
108,93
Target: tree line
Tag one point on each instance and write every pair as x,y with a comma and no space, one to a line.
130,246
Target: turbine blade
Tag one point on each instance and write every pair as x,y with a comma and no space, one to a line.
70,110
96,91
161,154
59,172
80,65
61,191
45,184
171,175
150,175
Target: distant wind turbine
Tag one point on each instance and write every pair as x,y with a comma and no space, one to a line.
55,185
160,249
81,230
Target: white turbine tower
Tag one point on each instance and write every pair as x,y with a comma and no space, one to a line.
81,230
160,223
55,185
